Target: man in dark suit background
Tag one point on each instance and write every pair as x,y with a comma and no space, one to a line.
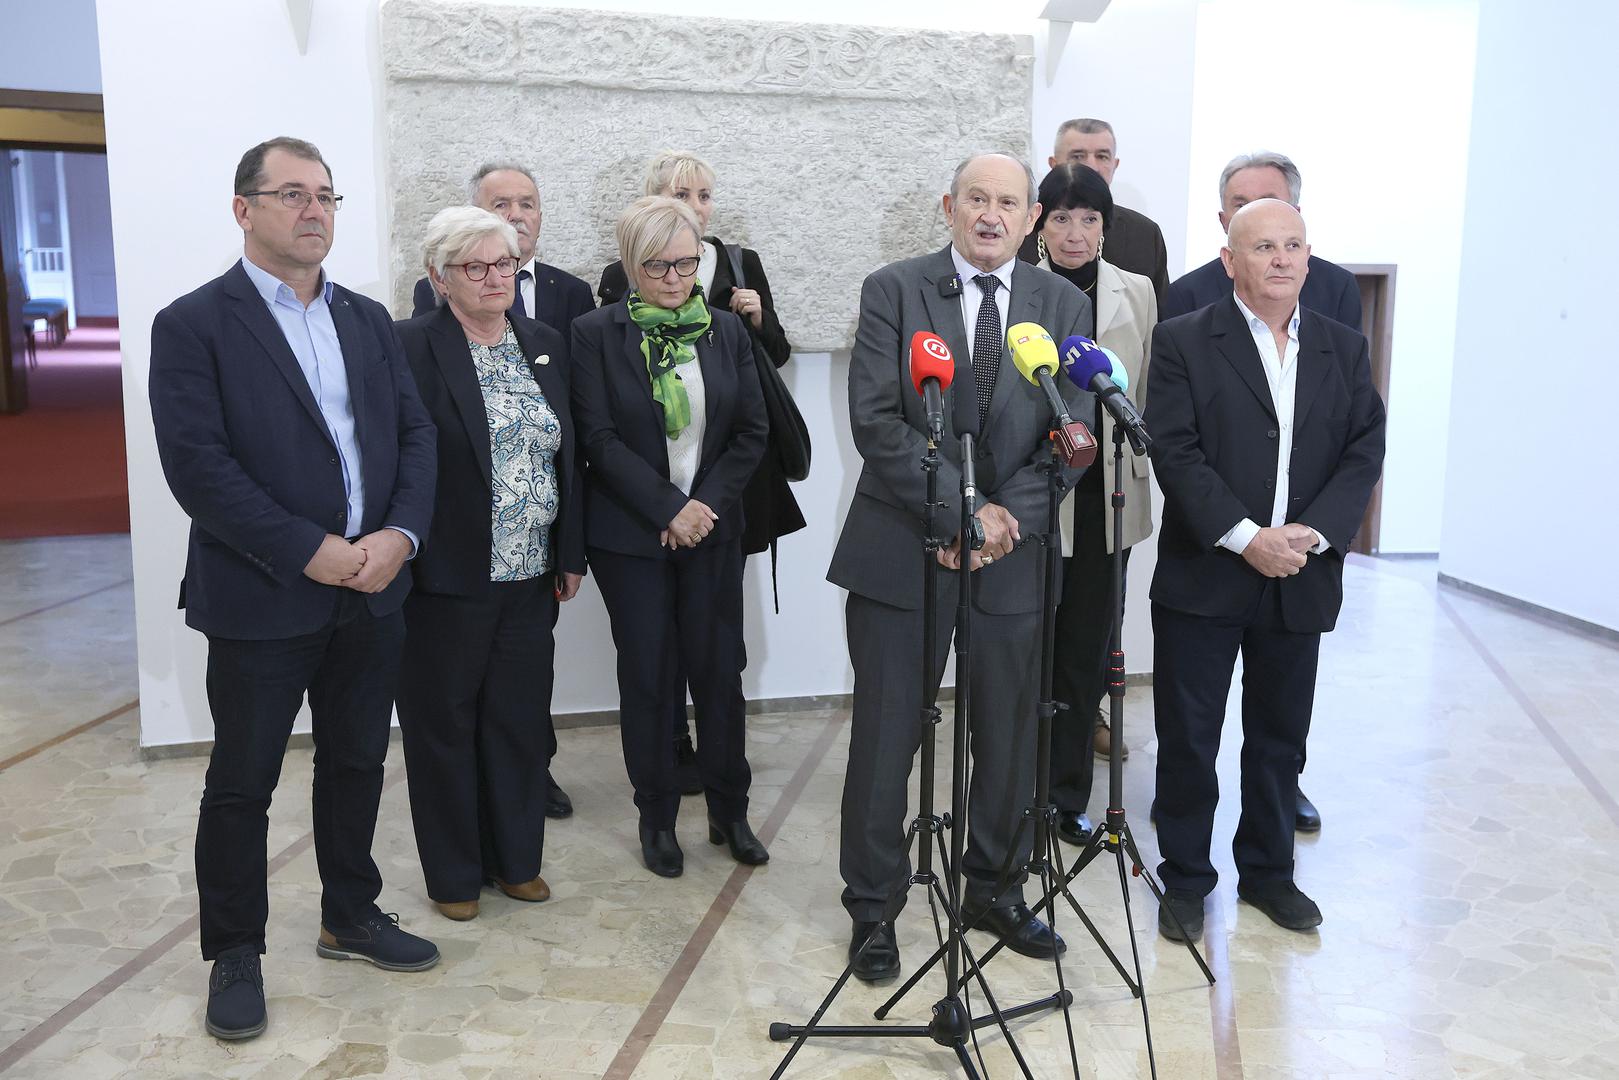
1134,241
968,294
545,293
1329,288
1268,441
290,432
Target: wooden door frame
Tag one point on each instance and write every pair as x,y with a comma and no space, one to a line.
1376,281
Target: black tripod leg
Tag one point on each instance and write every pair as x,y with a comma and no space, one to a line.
1146,875
1135,955
998,1017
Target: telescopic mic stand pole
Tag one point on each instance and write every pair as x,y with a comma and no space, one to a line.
952,1024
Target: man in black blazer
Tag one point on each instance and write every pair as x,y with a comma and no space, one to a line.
545,293
290,432
1268,440
1328,289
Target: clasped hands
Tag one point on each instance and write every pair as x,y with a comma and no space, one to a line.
689,527
1280,551
1000,537
368,564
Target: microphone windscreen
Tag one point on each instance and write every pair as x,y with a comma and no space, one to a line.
931,359
1120,377
1032,349
1082,360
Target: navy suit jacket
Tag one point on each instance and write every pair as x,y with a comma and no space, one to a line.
250,460
455,556
559,298
629,498
1328,288
1214,431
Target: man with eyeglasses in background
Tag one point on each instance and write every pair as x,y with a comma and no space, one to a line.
291,433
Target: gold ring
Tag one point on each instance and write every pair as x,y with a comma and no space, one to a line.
988,559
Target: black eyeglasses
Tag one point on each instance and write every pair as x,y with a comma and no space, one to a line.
298,199
477,271
660,267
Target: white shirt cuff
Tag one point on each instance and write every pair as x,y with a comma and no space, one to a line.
1238,538
414,543
1321,544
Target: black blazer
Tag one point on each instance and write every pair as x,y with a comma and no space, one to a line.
1214,435
249,458
629,499
771,509
559,298
1328,289
454,560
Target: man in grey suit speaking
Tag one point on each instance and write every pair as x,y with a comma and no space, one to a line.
968,294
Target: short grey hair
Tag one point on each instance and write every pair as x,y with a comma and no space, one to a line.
648,226
670,169
955,178
493,167
456,230
1085,125
1264,159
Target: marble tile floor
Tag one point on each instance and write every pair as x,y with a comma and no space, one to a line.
1468,871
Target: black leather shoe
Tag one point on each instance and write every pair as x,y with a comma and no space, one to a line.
745,847
687,778
1282,901
1185,905
661,852
880,960
379,941
236,994
557,803
1074,827
1306,818
1024,933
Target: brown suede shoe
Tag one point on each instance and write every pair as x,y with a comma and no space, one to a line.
1103,740
459,910
531,892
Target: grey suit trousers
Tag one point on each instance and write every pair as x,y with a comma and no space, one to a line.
885,646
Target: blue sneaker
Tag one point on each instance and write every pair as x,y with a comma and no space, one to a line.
378,940
236,994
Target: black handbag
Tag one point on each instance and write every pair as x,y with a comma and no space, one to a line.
789,435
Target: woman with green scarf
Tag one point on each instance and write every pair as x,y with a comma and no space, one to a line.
672,424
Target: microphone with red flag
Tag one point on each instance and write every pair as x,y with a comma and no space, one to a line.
932,370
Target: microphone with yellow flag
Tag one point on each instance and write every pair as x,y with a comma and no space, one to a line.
1034,354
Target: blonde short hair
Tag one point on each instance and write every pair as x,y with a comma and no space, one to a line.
456,230
670,169
648,226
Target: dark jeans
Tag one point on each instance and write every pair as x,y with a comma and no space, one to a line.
1193,658
685,610
1079,665
255,689
475,712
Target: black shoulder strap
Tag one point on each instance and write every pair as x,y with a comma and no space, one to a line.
733,255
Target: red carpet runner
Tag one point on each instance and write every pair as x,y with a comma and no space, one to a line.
62,461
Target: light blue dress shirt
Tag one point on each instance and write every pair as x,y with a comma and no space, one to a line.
312,336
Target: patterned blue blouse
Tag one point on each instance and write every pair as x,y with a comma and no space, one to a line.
524,436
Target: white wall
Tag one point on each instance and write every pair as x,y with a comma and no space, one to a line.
49,45
1371,99
89,216
1529,506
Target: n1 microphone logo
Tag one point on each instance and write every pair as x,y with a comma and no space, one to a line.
1076,350
936,348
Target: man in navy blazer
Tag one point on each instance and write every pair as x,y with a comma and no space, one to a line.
1328,288
545,293
291,433
1268,439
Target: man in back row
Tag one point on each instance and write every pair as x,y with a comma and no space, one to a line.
1134,241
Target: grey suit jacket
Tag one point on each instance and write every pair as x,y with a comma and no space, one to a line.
879,554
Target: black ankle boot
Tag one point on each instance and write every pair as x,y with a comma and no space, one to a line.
661,852
745,847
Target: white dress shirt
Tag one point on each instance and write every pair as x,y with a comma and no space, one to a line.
1282,373
708,257
525,286
972,295
686,449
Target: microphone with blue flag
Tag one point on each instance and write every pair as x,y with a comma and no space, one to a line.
1094,368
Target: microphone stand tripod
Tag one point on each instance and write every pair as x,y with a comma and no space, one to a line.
953,1024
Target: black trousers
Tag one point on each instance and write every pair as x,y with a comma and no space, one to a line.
885,648
680,611
475,712
1193,659
255,689
1079,665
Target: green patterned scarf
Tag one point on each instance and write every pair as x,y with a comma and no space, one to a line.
666,344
